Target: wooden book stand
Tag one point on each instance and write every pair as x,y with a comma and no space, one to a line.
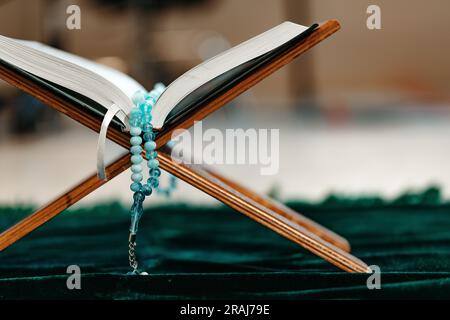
281,219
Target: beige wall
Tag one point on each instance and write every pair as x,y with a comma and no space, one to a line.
22,19
411,50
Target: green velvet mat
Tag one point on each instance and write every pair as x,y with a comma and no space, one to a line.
217,253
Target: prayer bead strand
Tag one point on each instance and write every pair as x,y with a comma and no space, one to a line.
141,132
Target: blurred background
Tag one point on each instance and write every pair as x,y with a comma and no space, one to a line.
364,112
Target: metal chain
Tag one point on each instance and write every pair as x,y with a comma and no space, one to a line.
132,252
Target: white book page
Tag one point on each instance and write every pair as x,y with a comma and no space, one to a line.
127,84
225,61
100,83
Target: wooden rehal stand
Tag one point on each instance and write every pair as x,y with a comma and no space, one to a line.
276,216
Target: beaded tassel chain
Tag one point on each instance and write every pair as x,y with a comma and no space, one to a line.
140,124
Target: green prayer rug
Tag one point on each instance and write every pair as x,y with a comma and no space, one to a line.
196,252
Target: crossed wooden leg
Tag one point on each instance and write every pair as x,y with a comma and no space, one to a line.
271,214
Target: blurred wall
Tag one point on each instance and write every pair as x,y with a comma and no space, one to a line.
22,18
410,52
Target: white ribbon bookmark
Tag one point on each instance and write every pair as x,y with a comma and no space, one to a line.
112,111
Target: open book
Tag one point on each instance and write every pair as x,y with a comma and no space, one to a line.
98,87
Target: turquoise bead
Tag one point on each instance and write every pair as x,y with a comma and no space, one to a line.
135,131
153,163
153,182
138,196
151,96
135,122
144,104
135,186
136,168
145,107
149,136
147,119
136,141
150,146
155,173
147,127
151,100
146,189
136,149
136,159
152,155
136,177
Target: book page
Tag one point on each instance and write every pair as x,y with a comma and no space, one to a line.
127,84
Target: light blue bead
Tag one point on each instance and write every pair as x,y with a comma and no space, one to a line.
136,177
150,146
135,122
136,168
135,186
136,141
151,98
135,113
138,97
136,149
159,87
153,163
135,131
136,159
135,117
